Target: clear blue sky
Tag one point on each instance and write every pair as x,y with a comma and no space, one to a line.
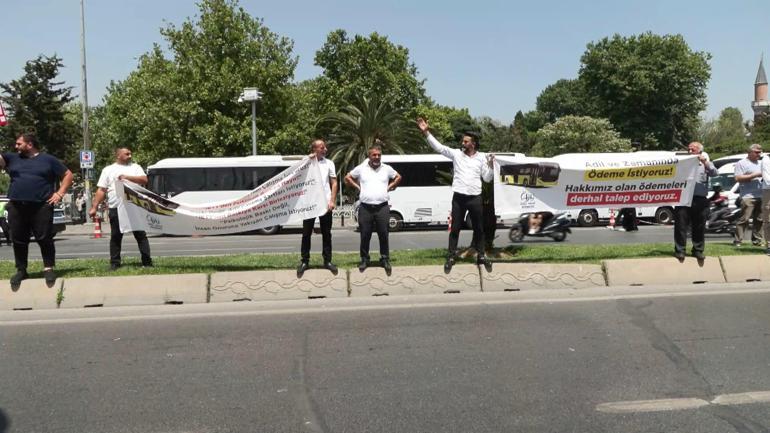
492,56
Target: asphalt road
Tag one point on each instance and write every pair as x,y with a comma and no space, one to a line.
452,363
69,245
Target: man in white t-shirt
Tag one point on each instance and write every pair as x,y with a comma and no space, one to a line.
329,176
374,180
123,168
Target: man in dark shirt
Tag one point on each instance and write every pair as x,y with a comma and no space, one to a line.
32,197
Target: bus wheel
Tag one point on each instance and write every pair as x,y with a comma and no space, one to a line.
516,234
396,222
588,218
271,230
664,215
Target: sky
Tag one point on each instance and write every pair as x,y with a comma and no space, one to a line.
492,56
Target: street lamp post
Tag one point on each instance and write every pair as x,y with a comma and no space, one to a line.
84,102
251,94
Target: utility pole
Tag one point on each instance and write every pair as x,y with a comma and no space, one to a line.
84,101
252,94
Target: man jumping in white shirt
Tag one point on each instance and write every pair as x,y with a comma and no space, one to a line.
470,167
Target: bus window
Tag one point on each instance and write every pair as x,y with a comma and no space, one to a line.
538,175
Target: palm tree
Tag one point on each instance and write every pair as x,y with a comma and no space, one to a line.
363,123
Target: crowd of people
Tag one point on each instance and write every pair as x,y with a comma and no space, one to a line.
33,193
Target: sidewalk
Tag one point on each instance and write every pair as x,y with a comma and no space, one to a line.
280,285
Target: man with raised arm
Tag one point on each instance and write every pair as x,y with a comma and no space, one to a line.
470,167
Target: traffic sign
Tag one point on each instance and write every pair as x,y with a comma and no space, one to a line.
86,159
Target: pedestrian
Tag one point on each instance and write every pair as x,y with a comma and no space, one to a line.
628,219
33,195
748,173
693,217
470,167
80,203
122,169
4,222
374,180
329,183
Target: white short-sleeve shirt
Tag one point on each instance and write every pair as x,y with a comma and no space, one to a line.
374,183
111,173
327,170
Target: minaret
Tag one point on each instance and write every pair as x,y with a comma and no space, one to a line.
760,104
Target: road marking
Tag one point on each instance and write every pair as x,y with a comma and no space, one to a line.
662,405
670,404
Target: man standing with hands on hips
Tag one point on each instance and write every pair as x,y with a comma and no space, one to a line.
470,168
123,168
374,180
33,195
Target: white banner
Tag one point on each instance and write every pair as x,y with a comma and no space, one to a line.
293,195
593,180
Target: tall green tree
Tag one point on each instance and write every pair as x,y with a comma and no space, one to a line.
725,135
367,66
363,123
574,134
650,87
37,102
565,98
760,130
186,104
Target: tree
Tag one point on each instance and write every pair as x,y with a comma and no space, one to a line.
760,130
724,136
363,123
565,98
496,137
186,105
650,87
574,134
367,67
37,103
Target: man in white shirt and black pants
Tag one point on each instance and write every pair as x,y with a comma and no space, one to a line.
374,180
470,168
329,176
123,168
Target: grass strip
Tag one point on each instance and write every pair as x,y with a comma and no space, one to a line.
550,253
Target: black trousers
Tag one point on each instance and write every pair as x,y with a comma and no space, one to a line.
691,217
116,241
27,218
374,217
325,222
6,229
471,204
628,215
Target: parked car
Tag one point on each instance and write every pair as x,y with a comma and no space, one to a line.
60,220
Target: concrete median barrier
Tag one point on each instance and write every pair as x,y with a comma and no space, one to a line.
643,272
739,269
531,276
134,290
414,280
277,285
33,294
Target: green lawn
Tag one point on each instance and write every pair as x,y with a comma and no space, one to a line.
554,253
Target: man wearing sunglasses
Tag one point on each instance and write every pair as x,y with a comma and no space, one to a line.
748,172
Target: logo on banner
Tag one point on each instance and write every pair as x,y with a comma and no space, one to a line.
154,223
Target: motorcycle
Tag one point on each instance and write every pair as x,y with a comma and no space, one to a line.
556,227
722,218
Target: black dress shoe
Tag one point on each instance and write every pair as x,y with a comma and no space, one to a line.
680,257
50,277
698,255
448,265
17,278
385,263
487,264
303,266
332,267
362,265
